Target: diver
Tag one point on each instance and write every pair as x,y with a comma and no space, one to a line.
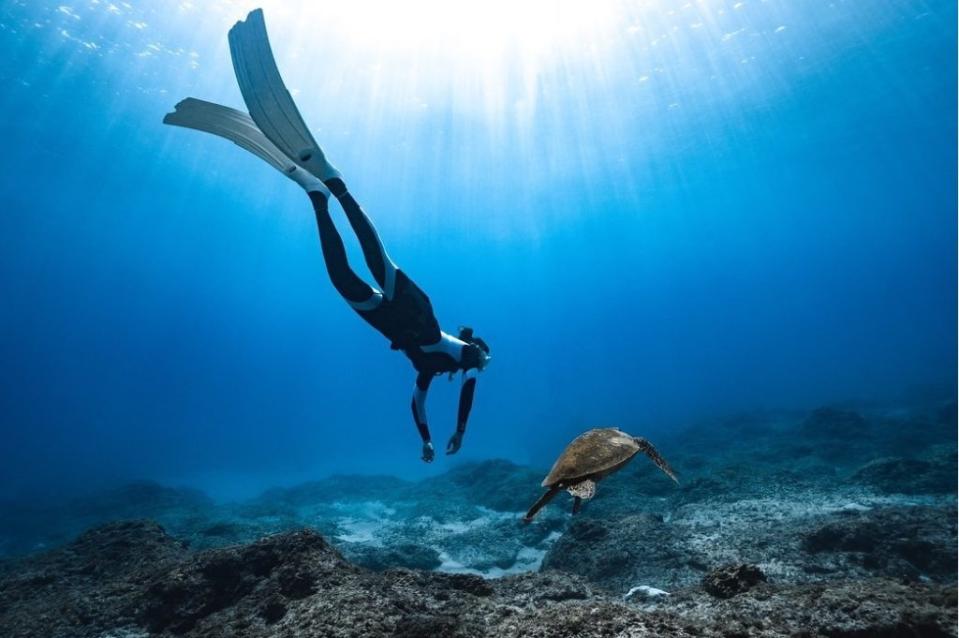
398,309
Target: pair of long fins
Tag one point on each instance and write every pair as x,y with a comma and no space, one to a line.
274,131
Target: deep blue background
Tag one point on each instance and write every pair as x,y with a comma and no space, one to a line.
678,213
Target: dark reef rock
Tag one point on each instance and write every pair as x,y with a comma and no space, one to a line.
910,476
619,554
839,609
88,587
538,589
898,542
726,582
296,585
400,555
469,583
286,566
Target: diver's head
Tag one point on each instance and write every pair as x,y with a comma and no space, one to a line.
476,353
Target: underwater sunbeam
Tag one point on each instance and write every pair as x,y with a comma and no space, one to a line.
461,31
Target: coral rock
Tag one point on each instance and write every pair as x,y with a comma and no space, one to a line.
730,580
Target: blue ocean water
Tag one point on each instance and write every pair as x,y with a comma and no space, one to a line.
654,212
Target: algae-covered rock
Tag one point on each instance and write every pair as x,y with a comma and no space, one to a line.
616,554
90,586
730,580
878,608
297,586
287,565
906,542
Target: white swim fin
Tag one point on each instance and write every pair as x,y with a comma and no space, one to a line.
237,127
271,106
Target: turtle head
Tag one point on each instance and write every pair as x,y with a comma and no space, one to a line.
647,448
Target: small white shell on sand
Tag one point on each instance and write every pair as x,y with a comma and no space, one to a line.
645,592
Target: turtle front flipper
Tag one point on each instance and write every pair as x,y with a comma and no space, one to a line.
655,457
543,500
582,491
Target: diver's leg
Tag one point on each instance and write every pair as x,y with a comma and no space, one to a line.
379,263
357,292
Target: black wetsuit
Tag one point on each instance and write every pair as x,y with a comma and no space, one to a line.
402,312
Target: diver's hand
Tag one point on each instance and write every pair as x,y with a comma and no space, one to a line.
428,452
455,442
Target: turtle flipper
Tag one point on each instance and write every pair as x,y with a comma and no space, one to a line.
655,457
543,500
577,505
585,489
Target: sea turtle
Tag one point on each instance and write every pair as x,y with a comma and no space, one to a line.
590,457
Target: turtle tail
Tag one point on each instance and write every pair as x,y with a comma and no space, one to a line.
655,457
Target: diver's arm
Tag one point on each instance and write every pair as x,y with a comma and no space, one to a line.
466,399
463,413
423,380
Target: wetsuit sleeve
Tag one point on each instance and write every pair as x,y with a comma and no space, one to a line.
423,381
466,400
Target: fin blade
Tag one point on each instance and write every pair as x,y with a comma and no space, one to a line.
229,124
270,103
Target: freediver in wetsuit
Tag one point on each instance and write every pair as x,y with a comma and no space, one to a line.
275,132
401,311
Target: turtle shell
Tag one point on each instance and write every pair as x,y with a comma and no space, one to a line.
595,452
